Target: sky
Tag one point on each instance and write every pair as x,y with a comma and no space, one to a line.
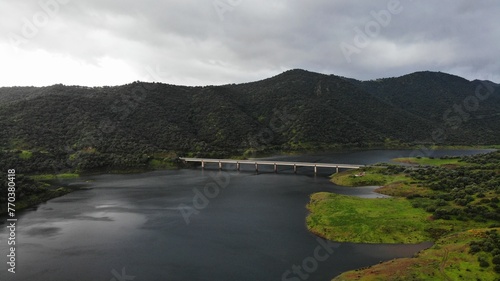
213,42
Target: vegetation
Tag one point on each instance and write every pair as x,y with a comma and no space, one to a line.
448,259
33,190
54,177
430,161
350,219
60,129
458,200
68,130
487,249
370,176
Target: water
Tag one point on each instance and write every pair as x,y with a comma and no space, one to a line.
246,226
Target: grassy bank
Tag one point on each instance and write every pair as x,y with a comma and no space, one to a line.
41,197
350,219
449,259
392,181
33,190
368,176
51,177
389,220
430,161
449,201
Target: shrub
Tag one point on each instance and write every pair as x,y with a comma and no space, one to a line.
474,248
483,262
496,259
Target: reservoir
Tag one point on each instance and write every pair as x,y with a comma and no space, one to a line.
194,224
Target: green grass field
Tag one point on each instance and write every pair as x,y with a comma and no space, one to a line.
429,161
388,220
400,220
448,259
46,177
161,164
351,219
371,176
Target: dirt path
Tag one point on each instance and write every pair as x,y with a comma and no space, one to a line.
443,264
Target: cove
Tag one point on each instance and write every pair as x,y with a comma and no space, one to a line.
130,226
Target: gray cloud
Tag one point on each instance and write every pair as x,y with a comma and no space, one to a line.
190,43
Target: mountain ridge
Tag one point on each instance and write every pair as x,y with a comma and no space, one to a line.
83,128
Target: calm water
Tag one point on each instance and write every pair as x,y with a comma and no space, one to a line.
245,226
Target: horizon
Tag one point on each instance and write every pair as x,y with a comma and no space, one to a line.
216,85
102,43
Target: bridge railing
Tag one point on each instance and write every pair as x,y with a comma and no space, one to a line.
295,164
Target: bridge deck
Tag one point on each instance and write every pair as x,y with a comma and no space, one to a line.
270,162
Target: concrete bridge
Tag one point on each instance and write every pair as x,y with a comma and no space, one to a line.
275,164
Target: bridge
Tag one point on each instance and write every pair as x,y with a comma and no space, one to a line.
275,164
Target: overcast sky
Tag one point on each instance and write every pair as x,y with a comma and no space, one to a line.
206,42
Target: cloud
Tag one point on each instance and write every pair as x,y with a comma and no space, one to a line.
225,41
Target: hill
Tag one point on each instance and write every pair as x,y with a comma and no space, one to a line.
466,110
73,128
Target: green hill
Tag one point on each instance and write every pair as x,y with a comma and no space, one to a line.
73,128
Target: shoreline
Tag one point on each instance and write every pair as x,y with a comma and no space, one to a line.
451,237
51,178
415,229
54,187
347,149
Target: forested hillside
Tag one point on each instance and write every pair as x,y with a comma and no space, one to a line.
72,128
467,111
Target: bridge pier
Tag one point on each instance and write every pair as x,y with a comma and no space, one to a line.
274,164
